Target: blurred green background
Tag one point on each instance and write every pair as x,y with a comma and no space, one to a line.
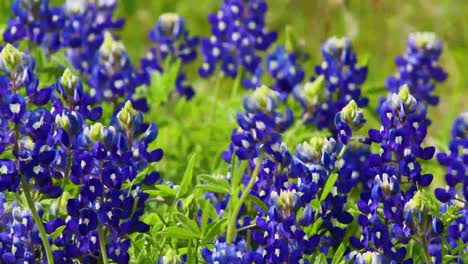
377,28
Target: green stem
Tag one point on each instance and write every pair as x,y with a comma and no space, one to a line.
37,220
426,250
231,232
102,244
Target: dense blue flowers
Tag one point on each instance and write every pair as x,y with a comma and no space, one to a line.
173,40
456,163
260,124
336,84
283,68
419,68
238,32
110,202
113,75
400,138
78,26
455,194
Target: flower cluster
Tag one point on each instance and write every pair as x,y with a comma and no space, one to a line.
27,132
419,68
19,236
283,68
287,185
389,208
54,146
113,75
260,124
107,166
172,39
456,163
337,83
78,25
455,195
238,32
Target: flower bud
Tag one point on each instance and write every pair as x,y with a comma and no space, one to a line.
417,216
170,25
425,40
314,92
352,115
63,121
10,58
263,99
110,46
126,115
315,148
68,81
286,201
96,132
408,100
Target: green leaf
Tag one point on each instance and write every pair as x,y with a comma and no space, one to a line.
258,202
321,259
214,181
237,171
187,179
214,229
57,232
328,185
188,223
163,84
212,188
178,233
163,190
337,257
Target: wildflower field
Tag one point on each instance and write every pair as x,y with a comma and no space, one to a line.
233,131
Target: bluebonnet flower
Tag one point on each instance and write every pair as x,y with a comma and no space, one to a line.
455,194
31,130
36,21
349,119
83,33
78,26
280,235
238,32
456,163
172,39
113,76
19,236
110,202
260,124
283,68
231,253
419,68
367,257
401,136
336,84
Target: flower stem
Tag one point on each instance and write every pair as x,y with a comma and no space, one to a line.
37,220
231,232
426,250
102,244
